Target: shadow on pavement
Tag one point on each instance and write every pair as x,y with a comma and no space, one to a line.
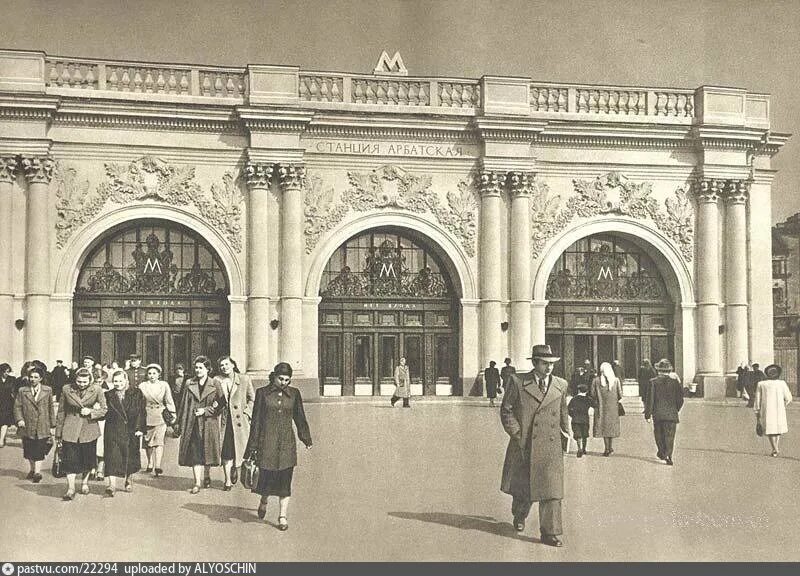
765,454
223,514
168,483
49,490
617,455
18,474
465,522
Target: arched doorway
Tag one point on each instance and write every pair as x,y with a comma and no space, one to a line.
155,288
609,301
386,294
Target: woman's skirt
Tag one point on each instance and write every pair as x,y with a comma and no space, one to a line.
35,448
228,444
155,435
274,482
195,450
79,458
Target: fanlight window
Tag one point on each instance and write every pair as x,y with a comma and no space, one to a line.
605,267
383,264
153,259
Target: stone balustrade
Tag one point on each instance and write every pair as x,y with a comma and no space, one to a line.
611,101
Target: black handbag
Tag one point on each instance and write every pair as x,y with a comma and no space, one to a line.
759,428
168,417
58,464
620,409
249,474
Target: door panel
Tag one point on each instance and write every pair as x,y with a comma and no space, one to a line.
124,346
153,349
412,350
605,349
630,357
388,358
178,352
363,371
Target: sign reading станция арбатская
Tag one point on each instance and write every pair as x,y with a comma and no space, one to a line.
383,148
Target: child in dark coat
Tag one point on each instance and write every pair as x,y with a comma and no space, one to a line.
579,413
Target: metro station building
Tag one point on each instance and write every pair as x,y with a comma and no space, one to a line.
339,221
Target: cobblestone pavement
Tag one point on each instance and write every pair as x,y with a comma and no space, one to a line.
423,484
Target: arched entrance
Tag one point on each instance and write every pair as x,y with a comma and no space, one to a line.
386,294
608,301
155,288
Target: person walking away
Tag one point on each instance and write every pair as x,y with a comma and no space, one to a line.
646,373
235,418
606,394
771,398
126,424
753,379
664,402
201,405
272,443
402,382
578,409
59,377
83,404
534,407
741,376
7,393
158,398
505,372
491,376
33,412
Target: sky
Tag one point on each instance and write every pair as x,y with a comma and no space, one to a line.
657,43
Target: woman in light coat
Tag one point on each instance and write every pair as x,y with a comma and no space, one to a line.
606,394
235,418
158,397
402,381
82,405
772,396
33,412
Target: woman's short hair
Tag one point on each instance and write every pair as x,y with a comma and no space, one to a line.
84,373
37,369
203,360
5,367
120,373
282,369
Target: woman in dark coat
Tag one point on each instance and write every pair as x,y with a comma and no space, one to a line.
6,401
272,442
126,423
202,402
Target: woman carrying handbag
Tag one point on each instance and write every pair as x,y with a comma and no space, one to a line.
160,413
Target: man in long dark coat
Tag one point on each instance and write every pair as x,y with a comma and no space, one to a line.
664,401
506,372
534,414
491,376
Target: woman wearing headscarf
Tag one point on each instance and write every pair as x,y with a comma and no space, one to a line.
158,397
771,398
272,443
82,405
126,423
201,404
7,393
235,418
33,411
606,394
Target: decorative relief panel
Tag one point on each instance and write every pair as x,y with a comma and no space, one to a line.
612,193
148,178
392,187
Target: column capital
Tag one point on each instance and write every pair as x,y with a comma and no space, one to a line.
291,176
708,191
491,182
38,169
737,191
521,183
8,169
258,175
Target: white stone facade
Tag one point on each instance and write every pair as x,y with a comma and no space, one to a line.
276,168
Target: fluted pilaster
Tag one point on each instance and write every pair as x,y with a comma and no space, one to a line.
737,350
8,175
38,172
292,183
708,293
492,184
520,188
258,177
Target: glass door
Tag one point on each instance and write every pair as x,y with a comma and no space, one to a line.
363,373
630,358
605,349
412,351
388,358
153,349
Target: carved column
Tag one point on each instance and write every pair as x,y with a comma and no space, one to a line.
8,175
708,294
38,173
491,184
736,274
292,182
258,178
521,184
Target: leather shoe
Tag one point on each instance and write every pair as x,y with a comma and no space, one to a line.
580,453
36,478
552,541
519,525
234,475
227,488
262,511
660,456
207,482
669,461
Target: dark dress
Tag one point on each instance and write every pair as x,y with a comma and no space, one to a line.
492,377
272,439
7,402
228,445
123,420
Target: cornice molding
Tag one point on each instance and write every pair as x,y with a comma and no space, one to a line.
491,128
27,107
260,119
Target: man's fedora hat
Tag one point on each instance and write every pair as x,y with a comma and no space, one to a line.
663,365
543,352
